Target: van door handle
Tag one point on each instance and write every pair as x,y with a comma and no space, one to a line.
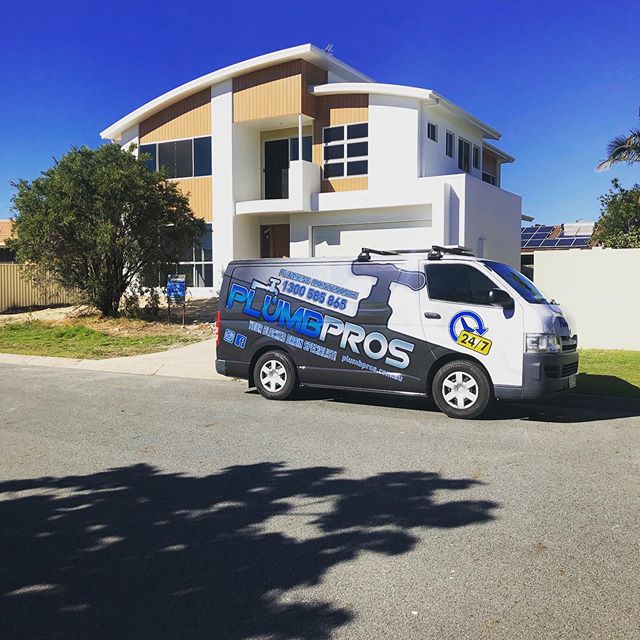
431,315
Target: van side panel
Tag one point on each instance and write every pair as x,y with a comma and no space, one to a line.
331,317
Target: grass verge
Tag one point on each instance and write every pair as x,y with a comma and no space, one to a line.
80,341
609,373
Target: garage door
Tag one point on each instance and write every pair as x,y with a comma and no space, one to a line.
348,239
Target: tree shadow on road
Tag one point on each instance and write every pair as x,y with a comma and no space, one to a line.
138,553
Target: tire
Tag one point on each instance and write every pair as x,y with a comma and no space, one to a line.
275,375
462,389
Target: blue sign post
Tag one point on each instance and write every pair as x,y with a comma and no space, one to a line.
177,292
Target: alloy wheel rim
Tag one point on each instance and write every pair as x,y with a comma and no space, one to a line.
273,375
460,390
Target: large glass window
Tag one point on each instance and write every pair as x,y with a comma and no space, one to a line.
458,283
196,264
176,158
345,150
180,158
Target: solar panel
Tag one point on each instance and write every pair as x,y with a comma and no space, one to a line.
549,243
532,244
565,242
582,241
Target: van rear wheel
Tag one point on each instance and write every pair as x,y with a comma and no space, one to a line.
275,375
462,389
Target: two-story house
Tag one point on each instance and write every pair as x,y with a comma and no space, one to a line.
295,153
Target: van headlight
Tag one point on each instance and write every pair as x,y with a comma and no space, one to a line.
542,343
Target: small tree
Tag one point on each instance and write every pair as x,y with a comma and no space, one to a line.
98,219
619,223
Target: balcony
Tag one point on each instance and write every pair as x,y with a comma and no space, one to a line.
300,181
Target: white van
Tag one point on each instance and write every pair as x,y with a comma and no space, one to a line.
439,323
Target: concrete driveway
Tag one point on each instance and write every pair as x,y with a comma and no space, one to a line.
155,507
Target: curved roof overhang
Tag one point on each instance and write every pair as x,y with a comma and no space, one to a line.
306,51
401,91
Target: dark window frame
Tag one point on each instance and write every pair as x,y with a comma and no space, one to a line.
195,160
350,137
432,127
450,144
464,155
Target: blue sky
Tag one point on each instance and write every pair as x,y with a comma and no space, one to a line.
558,79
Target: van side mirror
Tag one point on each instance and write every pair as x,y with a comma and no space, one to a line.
500,298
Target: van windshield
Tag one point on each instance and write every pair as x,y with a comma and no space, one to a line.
518,281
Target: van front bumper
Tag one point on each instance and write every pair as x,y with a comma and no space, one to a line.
543,374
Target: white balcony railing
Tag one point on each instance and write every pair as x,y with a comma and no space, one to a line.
304,180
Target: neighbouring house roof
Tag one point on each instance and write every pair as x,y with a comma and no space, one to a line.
571,235
5,231
305,51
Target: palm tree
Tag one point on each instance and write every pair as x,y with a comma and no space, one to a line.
622,149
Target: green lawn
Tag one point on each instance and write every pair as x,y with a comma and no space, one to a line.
79,341
609,372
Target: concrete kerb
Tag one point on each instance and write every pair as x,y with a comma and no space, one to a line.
193,361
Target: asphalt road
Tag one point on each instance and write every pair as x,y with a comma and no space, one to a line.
145,507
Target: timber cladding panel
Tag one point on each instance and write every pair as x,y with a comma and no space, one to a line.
355,183
332,111
188,118
279,90
200,194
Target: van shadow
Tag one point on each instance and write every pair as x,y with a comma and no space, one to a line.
135,552
564,408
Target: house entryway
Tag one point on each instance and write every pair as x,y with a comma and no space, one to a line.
274,241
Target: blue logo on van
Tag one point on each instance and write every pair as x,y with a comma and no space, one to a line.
466,321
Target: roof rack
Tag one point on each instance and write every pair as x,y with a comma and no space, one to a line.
437,252
434,253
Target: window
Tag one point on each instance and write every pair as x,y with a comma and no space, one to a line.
490,178
196,264
476,157
306,148
180,158
346,150
450,144
432,131
176,158
464,150
149,150
202,156
518,281
458,283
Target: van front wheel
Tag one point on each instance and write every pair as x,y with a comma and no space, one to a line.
462,389
275,375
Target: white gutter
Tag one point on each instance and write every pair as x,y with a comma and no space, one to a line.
403,91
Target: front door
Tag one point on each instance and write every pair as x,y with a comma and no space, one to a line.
457,316
276,169
274,241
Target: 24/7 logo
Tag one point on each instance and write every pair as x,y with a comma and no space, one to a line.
467,329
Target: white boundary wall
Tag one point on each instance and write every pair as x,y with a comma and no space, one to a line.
600,289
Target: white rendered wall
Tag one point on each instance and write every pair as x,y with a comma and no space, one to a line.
222,155
490,220
598,288
131,137
393,141
434,160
